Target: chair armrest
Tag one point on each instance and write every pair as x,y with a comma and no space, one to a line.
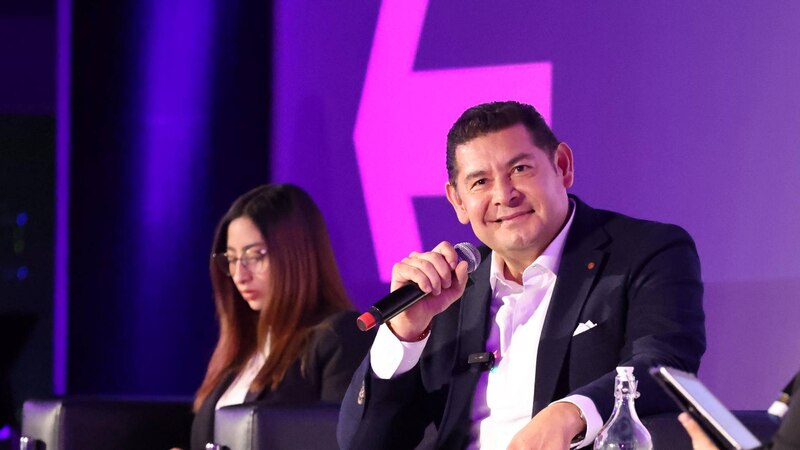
74,423
253,426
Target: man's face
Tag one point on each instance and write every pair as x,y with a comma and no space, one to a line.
511,193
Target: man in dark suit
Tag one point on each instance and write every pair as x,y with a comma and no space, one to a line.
565,293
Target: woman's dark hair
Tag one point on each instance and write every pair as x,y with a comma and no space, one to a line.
305,287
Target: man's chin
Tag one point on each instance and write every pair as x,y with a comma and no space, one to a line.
521,245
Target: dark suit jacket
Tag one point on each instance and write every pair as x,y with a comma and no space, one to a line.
639,281
335,352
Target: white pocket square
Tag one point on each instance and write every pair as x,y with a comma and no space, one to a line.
584,327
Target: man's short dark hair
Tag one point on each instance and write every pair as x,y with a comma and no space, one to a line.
495,116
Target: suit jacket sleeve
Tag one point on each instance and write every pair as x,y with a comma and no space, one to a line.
661,315
388,414
395,413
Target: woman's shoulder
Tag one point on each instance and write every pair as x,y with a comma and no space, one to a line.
344,316
341,323
340,329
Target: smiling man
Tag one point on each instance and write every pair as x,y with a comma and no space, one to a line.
565,294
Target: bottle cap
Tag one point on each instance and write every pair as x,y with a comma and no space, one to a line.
625,371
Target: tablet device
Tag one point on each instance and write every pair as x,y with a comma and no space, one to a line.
716,420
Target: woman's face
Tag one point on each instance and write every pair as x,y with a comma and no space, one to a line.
248,262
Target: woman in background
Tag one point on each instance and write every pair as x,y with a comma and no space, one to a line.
288,333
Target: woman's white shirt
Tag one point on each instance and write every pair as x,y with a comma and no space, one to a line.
237,391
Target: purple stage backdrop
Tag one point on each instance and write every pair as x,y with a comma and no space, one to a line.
682,112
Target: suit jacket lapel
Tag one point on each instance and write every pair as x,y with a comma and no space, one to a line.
474,321
472,332
203,426
580,264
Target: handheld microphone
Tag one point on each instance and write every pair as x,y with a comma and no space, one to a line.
405,296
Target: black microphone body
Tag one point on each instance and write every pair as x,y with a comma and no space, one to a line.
393,304
407,295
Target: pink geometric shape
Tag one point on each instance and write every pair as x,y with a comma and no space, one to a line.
403,118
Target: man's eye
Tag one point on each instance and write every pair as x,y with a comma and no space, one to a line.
480,182
517,169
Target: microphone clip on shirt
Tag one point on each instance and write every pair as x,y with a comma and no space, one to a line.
481,362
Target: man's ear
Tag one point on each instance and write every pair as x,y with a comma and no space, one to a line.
458,205
562,160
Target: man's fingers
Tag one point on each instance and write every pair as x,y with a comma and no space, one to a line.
410,271
432,271
428,270
449,252
437,268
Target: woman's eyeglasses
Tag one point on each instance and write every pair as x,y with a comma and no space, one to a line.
254,260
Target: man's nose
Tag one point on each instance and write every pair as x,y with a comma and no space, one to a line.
504,192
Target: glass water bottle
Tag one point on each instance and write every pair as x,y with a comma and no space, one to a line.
624,430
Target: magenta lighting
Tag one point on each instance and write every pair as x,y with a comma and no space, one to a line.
409,139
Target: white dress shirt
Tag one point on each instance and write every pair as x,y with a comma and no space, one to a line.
237,391
503,399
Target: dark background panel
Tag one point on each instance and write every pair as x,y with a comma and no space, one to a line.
26,262
27,169
141,313
27,49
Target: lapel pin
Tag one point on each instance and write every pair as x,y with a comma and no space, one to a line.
591,265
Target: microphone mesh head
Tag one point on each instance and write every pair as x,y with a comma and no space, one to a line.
467,252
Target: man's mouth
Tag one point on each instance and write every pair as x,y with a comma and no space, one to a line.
513,216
